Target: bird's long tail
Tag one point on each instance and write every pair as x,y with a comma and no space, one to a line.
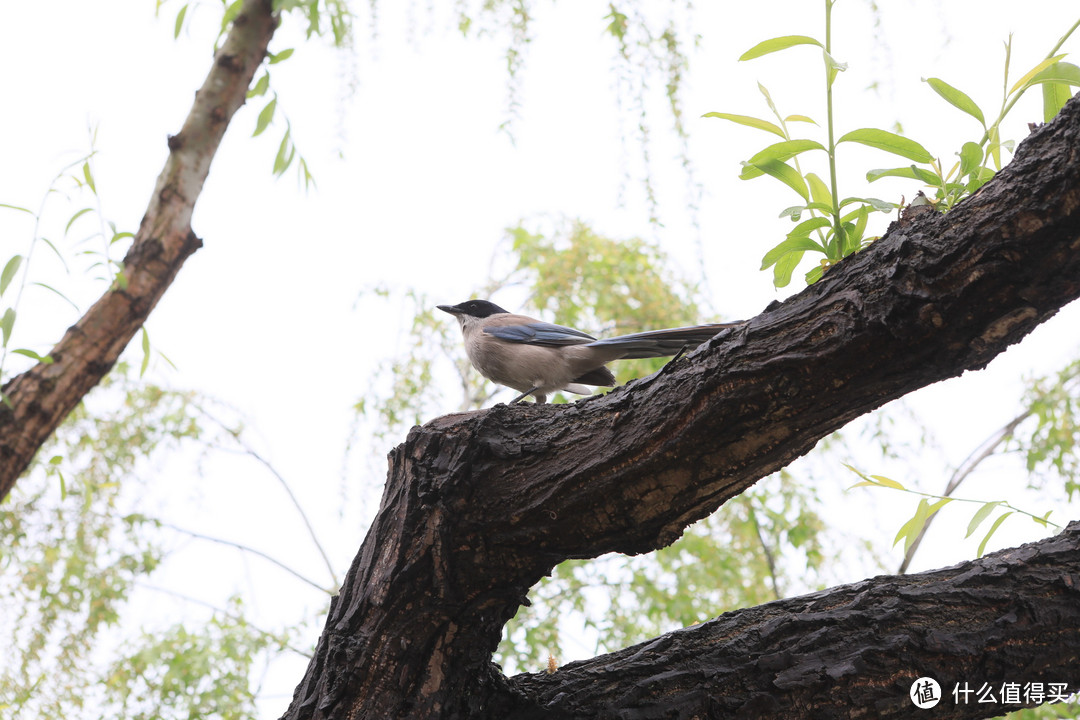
661,343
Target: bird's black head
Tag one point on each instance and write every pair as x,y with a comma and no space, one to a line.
473,308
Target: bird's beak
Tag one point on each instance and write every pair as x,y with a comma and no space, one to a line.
449,309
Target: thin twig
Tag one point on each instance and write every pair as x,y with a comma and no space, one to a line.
967,467
253,551
972,461
284,483
768,554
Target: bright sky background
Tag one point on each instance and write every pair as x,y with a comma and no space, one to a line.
415,187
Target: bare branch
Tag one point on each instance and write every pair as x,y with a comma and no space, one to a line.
968,466
972,461
253,551
251,452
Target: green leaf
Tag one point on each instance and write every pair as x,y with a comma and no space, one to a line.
1056,81
776,44
980,177
854,236
889,142
285,154
791,244
785,174
117,237
165,357
8,274
305,175
806,227
1042,520
75,217
994,148
786,256
62,295
1060,72
784,267
278,57
265,116
799,118
145,350
260,87
993,528
47,359
860,473
1030,75
6,323
784,150
888,482
904,531
6,400
819,191
768,100
56,251
942,502
16,207
971,157
911,172
179,21
88,177
911,529
748,121
833,67
781,151
1055,95
980,515
120,281
796,211
956,98
878,480
878,204
230,14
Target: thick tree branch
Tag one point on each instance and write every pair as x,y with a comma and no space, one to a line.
479,506
44,395
851,651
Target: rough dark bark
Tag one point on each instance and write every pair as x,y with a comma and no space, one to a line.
849,652
44,395
479,506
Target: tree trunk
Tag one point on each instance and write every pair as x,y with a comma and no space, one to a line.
479,506
43,396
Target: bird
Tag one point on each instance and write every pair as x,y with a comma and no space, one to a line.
538,358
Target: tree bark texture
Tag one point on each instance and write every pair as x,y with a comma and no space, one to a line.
479,506
44,395
848,652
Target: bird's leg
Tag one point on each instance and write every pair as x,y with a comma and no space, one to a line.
527,393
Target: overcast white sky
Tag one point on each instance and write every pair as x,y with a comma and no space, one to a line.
415,186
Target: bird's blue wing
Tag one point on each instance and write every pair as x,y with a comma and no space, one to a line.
540,333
